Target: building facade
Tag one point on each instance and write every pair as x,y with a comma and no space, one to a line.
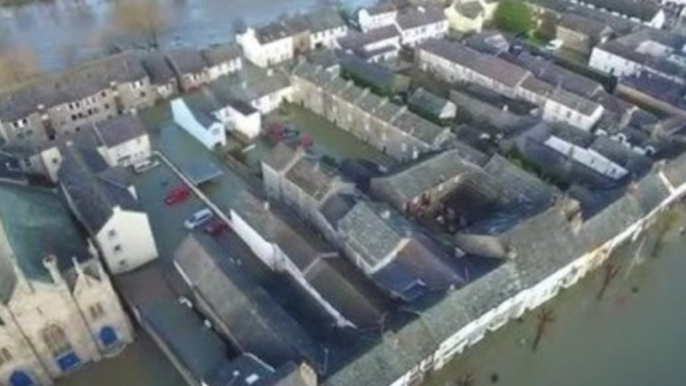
58,307
386,126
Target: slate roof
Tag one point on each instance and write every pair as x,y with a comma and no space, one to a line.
641,10
184,334
486,65
246,370
371,73
488,42
272,32
629,46
247,315
380,8
541,245
93,195
519,187
158,68
186,61
118,130
34,223
324,20
221,53
337,206
588,26
75,84
398,117
469,9
412,182
369,234
428,102
550,72
228,89
558,95
419,17
360,40
313,177
280,157
400,350
374,231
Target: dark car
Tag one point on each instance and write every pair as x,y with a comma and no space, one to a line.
216,228
177,195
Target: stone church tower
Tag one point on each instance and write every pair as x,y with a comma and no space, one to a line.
58,309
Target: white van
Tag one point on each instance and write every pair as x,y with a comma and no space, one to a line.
198,218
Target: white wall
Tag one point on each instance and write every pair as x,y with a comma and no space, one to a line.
131,231
413,36
610,63
248,125
223,69
210,137
264,250
268,54
327,38
129,152
368,22
271,102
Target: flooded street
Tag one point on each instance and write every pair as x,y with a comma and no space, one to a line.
634,336
64,32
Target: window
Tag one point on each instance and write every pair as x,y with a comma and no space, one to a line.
96,311
5,356
56,340
117,248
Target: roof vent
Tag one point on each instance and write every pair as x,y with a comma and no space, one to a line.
385,214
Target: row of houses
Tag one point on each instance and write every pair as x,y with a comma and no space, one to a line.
383,33
454,62
280,41
540,256
383,124
231,105
52,106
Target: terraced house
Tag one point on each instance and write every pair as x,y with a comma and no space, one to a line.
534,270
49,107
454,62
384,125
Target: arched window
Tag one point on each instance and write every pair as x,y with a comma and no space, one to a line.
5,356
56,340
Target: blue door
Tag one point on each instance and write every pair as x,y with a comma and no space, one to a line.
108,336
20,378
68,361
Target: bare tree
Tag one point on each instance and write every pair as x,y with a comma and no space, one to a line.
545,317
141,18
17,65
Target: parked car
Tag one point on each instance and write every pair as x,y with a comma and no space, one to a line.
177,195
144,166
197,219
215,228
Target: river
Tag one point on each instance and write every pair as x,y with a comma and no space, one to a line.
65,32
634,336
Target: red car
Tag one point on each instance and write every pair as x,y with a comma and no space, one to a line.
216,228
177,195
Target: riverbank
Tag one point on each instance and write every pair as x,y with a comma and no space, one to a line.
628,338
